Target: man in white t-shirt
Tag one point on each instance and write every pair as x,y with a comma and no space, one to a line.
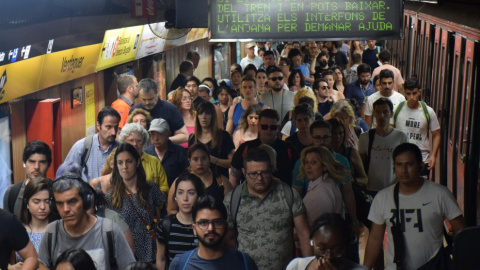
385,139
251,58
422,207
387,82
418,120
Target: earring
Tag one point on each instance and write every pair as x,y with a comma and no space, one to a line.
27,207
175,198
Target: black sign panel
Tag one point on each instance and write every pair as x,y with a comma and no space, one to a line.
282,20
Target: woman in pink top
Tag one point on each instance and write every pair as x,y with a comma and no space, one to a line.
183,100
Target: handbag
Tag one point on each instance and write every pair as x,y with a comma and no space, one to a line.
441,261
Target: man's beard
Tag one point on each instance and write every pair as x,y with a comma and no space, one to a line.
215,244
277,89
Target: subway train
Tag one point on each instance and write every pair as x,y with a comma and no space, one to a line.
441,45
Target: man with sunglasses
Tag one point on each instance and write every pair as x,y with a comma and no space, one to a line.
279,99
322,92
210,227
267,211
269,123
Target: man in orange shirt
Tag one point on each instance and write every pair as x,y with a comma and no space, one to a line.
127,86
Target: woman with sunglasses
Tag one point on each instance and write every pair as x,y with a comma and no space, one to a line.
183,100
330,238
179,237
249,93
137,200
216,184
325,176
34,213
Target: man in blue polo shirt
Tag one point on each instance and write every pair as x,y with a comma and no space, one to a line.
362,87
151,102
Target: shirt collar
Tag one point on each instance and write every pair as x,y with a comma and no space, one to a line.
129,102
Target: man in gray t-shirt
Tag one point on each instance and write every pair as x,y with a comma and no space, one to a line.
79,229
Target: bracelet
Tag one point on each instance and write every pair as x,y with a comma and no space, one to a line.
216,160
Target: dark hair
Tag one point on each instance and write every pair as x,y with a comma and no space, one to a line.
248,78
273,69
316,83
327,73
118,187
215,86
382,101
356,58
189,79
411,83
344,78
198,146
237,67
268,52
376,78
77,257
208,108
269,113
323,53
192,178
364,68
185,66
408,147
385,55
286,60
148,85
320,124
209,202
248,68
37,147
243,123
33,187
294,52
303,109
261,71
334,124
141,266
336,222
191,53
386,73
107,111
306,100
257,154
291,78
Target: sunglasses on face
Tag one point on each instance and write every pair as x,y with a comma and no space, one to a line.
272,127
325,87
276,78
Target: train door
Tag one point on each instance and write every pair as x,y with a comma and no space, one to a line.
435,104
453,118
466,164
411,47
43,123
427,59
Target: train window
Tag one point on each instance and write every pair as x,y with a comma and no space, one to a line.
464,134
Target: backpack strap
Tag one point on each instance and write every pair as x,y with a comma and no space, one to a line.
184,258
397,112
244,260
107,236
235,203
87,144
12,195
426,114
51,233
166,227
371,137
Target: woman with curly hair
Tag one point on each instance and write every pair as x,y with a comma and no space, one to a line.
183,100
137,200
140,116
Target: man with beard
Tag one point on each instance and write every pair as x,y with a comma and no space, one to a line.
279,99
363,87
127,87
210,227
387,82
101,145
337,57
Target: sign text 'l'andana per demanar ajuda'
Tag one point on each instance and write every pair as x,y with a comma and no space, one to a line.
305,19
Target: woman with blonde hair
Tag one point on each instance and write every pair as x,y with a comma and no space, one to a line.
183,100
140,116
343,111
325,176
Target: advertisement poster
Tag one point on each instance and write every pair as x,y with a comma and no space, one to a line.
90,108
153,39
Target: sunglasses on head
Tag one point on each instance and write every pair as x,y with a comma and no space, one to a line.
272,127
276,78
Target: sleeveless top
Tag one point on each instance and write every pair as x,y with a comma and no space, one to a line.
237,113
214,189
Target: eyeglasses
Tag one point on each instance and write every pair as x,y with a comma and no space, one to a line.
335,252
255,175
276,78
187,98
325,87
320,138
272,127
216,223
